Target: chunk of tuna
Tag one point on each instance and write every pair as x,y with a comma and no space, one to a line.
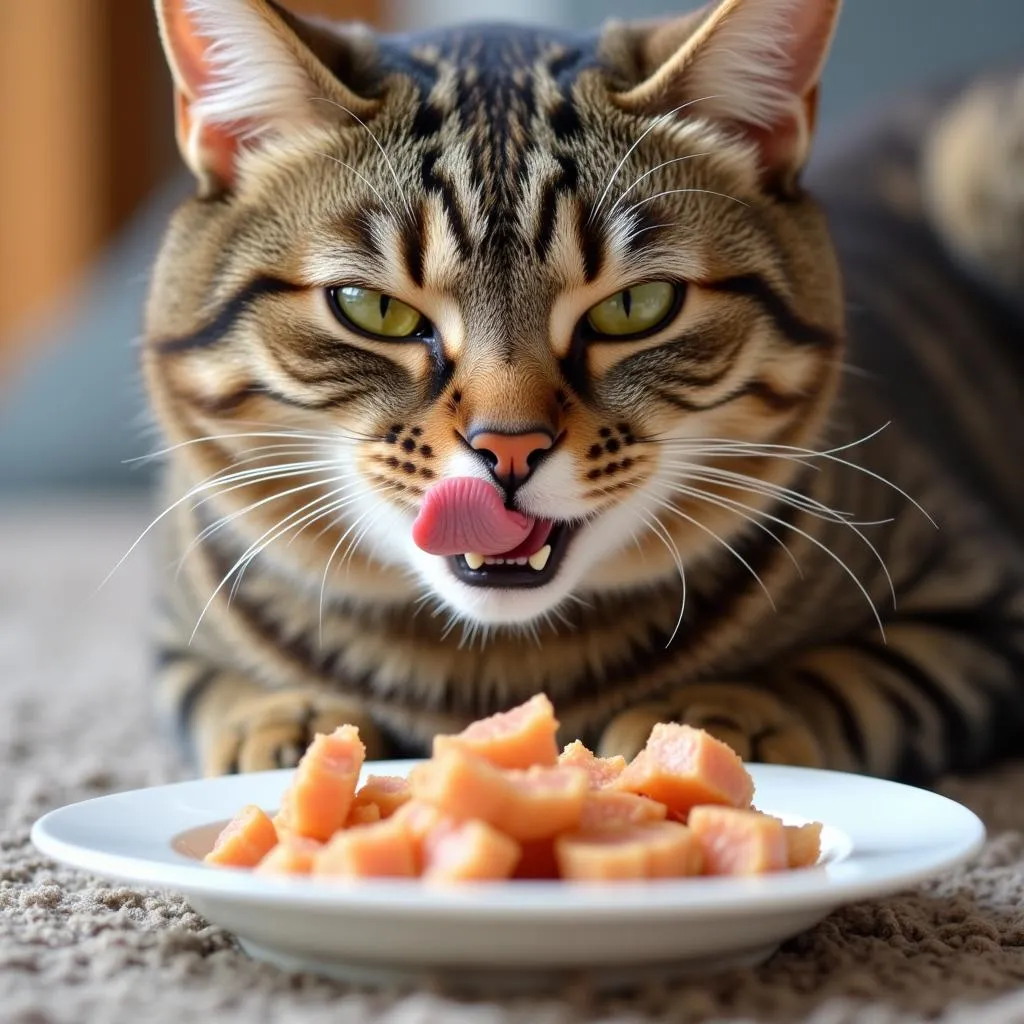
245,840
739,842
470,851
362,814
524,804
683,767
381,850
803,844
293,855
519,738
606,809
660,849
387,792
603,771
324,786
543,802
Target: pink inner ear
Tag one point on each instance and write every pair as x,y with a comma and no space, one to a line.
187,46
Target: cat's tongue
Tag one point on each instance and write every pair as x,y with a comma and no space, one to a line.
466,514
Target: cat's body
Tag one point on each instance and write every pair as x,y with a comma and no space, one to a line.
481,183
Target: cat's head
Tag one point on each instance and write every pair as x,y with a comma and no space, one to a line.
576,275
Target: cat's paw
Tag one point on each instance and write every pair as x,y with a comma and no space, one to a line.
273,730
757,725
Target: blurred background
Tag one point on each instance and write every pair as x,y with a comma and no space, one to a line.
89,172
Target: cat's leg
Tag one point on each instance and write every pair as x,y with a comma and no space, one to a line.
233,724
943,691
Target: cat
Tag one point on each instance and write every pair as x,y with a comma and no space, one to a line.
750,443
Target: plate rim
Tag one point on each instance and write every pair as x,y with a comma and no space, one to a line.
821,887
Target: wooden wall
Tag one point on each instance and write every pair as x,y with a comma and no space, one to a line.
86,134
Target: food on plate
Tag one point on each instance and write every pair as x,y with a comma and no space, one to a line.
319,799
602,771
657,849
381,850
385,792
498,802
683,767
245,841
293,855
803,844
737,841
468,851
520,738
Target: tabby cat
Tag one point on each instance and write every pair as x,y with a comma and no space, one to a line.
570,298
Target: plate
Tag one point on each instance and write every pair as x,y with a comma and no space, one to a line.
879,838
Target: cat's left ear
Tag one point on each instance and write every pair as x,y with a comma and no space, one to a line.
753,64
244,70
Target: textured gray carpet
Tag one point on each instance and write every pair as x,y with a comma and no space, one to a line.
74,723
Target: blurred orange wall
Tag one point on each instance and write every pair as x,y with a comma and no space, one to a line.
86,134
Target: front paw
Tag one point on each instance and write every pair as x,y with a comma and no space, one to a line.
758,726
273,730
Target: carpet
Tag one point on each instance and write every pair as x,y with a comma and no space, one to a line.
75,723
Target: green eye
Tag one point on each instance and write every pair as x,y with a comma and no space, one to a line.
633,310
376,313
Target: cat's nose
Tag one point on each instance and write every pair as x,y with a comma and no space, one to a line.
511,457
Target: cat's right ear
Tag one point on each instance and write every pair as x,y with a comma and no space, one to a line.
242,74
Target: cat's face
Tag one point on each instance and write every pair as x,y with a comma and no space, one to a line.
505,255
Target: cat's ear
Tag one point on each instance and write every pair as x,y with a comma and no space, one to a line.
244,70
754,64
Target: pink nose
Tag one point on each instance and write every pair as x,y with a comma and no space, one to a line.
511,457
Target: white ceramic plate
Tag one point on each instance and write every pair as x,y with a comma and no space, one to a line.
879,838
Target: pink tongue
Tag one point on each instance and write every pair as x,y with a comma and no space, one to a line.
466,514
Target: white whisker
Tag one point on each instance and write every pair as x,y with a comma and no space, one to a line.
646,174
681,191
366,181
657,528
643,135
668,506
383,152
702,496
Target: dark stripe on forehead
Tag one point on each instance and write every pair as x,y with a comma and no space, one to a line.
433,182
566,181
796,330
413,244
591,243
213,332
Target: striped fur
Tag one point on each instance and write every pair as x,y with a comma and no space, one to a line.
504,180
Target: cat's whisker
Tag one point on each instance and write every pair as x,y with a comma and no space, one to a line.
319,510
366,181
231,517
722,447
652,522
793,498
212,481
383,152
656,122
732,505
683,191
293,435
647,174
254,548
764,529
669,507
372,488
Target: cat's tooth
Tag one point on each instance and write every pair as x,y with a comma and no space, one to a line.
540,559
473,560
521,561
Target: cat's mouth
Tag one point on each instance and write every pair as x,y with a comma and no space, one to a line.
533,563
